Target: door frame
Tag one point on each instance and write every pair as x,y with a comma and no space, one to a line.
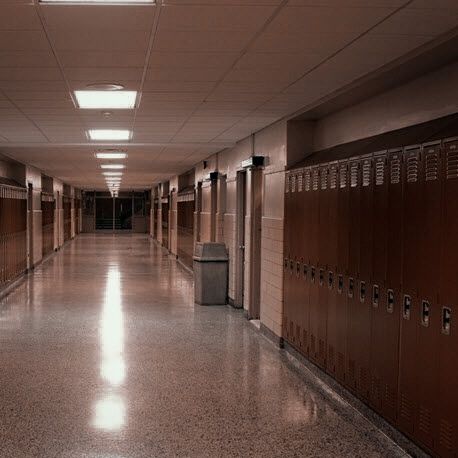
240,213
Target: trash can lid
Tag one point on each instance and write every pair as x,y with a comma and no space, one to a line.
210,251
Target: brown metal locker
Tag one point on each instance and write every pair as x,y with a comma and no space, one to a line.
333,315
387,203
428,257
447,397
47,221
287,256
410,302
353,287
314,230
341,277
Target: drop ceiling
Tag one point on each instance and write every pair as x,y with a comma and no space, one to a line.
209,73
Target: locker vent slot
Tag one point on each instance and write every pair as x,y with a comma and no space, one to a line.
366,173
330,360
340,362
364,380
322,349
324,179
300,183
375,389
293,183
452,164
424,420
298,335
351,369
343,176
379,172
446,435
315,180
312,344
406,409
390,397
307,180
412,169
354,175
395,170
304,338
432,167
333,177
425,312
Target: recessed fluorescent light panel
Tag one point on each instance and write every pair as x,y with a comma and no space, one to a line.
112,174
101,2
112,166
109,134
108,155
106,99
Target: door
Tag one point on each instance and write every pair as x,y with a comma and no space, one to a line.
240,239
30,225
123,214
104,213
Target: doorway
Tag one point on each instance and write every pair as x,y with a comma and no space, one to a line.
30,261
122,214
240,239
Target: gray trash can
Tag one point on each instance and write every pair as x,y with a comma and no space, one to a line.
210,273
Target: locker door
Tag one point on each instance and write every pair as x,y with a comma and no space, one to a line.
364,306
298,243
341,280
314,215
428,257
408,388
323,261
378,288
354,304
447,398
305,256
331,275
287,256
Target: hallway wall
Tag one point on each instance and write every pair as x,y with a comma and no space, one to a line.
284,144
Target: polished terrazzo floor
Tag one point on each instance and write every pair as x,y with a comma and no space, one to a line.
103,354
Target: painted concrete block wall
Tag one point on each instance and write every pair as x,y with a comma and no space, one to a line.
33,177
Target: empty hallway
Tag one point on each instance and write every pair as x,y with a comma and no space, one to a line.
104,354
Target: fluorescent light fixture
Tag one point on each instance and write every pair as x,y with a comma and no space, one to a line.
109,155
112,179
112,166
106,99
109,134
112,174
100,2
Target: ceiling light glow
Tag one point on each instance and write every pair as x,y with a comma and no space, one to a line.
112,166
108,155
109,134
112,174
106,99
100,2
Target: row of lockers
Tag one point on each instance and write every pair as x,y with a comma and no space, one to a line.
185,227
47,221
13,232
67,206
370,292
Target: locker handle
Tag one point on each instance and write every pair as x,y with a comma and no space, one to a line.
406,307
375,295
298,268
304,271
446,320
390,301
425,310
330,280
362,291
321,277
286,263
340,284
312,274
291,266
351,287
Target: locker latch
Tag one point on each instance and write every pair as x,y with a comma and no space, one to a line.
351,287
291,266
340,284
446,320
406,307
375,295
390,301
298,269
286,263
330,280
304,271
362,291
425,309
321,277
312,274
